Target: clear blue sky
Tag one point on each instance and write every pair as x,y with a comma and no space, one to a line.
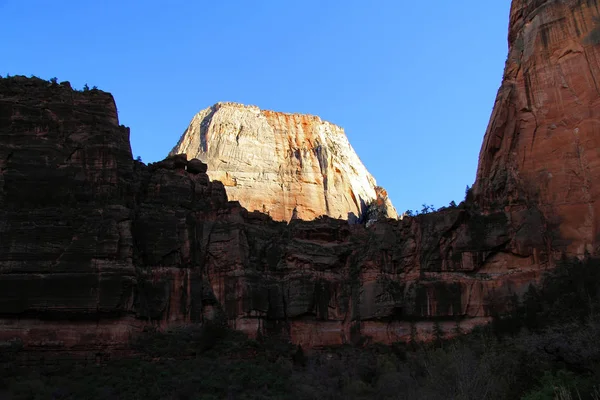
413,83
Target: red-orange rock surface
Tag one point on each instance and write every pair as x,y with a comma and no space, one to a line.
542,146
281,164
94,246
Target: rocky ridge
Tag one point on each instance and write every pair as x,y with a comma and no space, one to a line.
95,246
276,162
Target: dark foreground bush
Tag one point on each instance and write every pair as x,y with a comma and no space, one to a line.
189,340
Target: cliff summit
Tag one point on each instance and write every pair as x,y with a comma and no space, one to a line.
282,164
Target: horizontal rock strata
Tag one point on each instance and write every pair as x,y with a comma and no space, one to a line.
95,246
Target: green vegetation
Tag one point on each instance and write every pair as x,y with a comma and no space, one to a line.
468,194
426,209
547,348
409,213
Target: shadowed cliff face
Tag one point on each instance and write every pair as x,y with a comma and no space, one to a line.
94,246
541,146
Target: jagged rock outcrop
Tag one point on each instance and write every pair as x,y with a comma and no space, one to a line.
275,162
542,144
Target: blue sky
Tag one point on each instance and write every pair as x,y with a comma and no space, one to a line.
412,83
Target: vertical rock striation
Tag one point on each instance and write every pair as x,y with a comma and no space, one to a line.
542,144
276,162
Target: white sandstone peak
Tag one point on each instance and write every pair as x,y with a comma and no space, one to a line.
276,162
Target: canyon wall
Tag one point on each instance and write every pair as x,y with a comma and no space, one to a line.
542,144
282,164
95,246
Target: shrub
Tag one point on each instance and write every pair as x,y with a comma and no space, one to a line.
468,194
181,341
560,385
427,208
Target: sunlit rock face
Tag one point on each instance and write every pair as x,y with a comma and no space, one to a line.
95,246
275,162
542,144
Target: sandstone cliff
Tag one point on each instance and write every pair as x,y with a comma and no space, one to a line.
94,246
541,146
276,162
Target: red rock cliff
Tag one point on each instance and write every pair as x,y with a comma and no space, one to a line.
93,245
542,144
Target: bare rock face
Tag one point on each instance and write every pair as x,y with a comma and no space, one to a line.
79,218
541,146
94,246
275,162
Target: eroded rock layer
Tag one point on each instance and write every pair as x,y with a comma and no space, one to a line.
276,162
94,246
